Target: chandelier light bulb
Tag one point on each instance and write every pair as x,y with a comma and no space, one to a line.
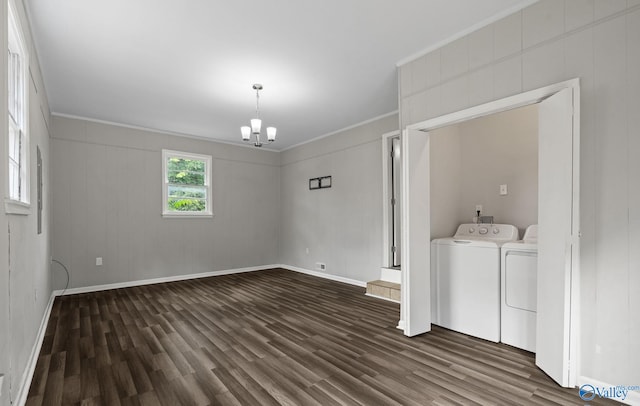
246,133
271,134
256,124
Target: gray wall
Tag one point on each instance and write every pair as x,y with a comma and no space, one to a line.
341,226
549,42
470,160
25,277
107,201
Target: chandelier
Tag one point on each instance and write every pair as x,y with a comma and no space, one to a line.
256,124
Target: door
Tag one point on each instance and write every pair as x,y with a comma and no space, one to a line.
557,238
416,233
396,170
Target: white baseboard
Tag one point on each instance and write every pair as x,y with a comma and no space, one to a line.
382,297
632,398
27,376
120,285
324,275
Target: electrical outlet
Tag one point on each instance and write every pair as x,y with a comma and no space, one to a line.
479,208
320,266
503,190
98,261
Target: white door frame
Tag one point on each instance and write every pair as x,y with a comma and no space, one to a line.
386,197
412,297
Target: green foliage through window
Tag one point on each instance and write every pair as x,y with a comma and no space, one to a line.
186,189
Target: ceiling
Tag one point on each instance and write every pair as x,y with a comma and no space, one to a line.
188,67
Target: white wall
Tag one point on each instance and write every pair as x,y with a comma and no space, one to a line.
341,226
549,42
25,277
469,162
107,203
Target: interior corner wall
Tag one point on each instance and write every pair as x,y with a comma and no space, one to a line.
25,276
470,160
549,42
339,226
107,202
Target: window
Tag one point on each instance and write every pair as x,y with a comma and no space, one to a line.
186,189
18,142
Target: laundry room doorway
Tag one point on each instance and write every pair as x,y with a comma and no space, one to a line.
558,219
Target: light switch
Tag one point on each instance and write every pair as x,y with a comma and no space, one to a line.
503,190
99,261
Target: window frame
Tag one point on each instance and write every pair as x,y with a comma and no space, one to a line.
166,213
16,43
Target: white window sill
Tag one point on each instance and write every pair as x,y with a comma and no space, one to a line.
183,215
16,207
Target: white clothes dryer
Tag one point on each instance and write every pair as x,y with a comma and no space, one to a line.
465,279
519,277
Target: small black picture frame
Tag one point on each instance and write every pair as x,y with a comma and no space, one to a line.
314,183
325,182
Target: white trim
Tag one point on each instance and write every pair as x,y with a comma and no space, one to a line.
16,29
27,376
382,298
215,140
120,285
176,278
158,131
166,213
386,181
17,207
351,127
499,16
633,397
496,106
323,275
575,327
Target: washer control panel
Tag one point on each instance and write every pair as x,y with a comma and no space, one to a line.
494,232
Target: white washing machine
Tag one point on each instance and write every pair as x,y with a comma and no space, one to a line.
519,278
465,279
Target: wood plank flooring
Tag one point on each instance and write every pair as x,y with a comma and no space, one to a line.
268,338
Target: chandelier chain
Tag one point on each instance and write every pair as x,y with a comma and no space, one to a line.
258,103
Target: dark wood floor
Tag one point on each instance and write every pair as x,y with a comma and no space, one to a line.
267,338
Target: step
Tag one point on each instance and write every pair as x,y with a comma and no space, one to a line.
390,274
384,290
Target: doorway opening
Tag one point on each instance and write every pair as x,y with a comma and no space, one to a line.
394,203
558,219
391,206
